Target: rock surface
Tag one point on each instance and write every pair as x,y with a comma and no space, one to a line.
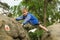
11,30
55,32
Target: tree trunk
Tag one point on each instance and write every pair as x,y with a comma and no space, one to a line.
45,11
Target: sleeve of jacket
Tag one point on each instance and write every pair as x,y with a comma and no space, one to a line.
19,18
27,19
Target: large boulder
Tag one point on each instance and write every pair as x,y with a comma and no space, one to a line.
11,30
54,33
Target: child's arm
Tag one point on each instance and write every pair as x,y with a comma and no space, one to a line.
26,19
19,18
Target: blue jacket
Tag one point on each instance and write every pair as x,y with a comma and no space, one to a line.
28,19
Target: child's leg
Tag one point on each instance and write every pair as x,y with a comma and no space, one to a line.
43,27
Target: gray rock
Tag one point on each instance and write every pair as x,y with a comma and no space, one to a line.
54,32
11,30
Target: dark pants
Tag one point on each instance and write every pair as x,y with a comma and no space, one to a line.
37,26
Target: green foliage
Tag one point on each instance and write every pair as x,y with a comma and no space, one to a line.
36,35
16,11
